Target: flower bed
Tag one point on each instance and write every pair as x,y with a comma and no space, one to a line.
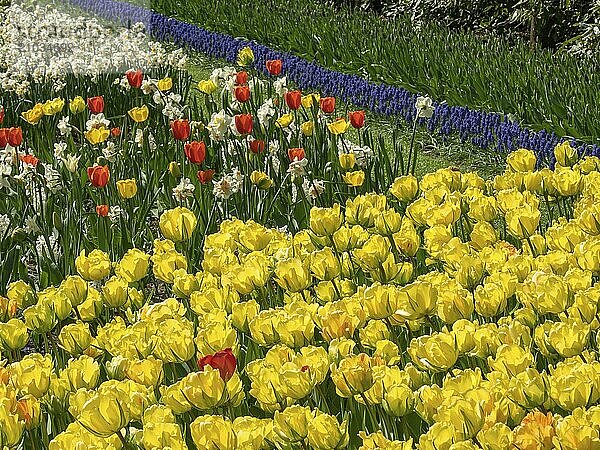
249,268
487,130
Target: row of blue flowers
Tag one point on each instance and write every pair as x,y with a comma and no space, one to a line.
491,131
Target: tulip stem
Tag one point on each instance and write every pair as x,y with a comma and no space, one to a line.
374,421
122,439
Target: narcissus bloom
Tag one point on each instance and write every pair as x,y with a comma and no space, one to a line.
98,175
139,114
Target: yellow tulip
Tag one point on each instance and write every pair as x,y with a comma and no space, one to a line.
307,128
261,180
75,338
338,127
34,114
285,120
139,114
94,266
326,433
245,56
77,105
133,266
177,224
207,86
97,135
347,160
103,414
354,179
13,335
164,84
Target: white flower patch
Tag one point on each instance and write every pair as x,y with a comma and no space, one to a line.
35,40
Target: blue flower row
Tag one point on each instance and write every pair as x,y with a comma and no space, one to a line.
490,131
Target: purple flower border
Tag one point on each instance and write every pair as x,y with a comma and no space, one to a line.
489,131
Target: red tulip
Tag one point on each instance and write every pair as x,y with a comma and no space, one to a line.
1,114
241,77
115,132
205,176
195,152
296,154
257,146
241,93
98,175
14,136
102,210
274,66
134,78
181,129
327,104
3,137
357,118
243,123
29,159
223,360
96,104
293,99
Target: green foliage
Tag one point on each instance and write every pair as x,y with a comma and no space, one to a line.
540,88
